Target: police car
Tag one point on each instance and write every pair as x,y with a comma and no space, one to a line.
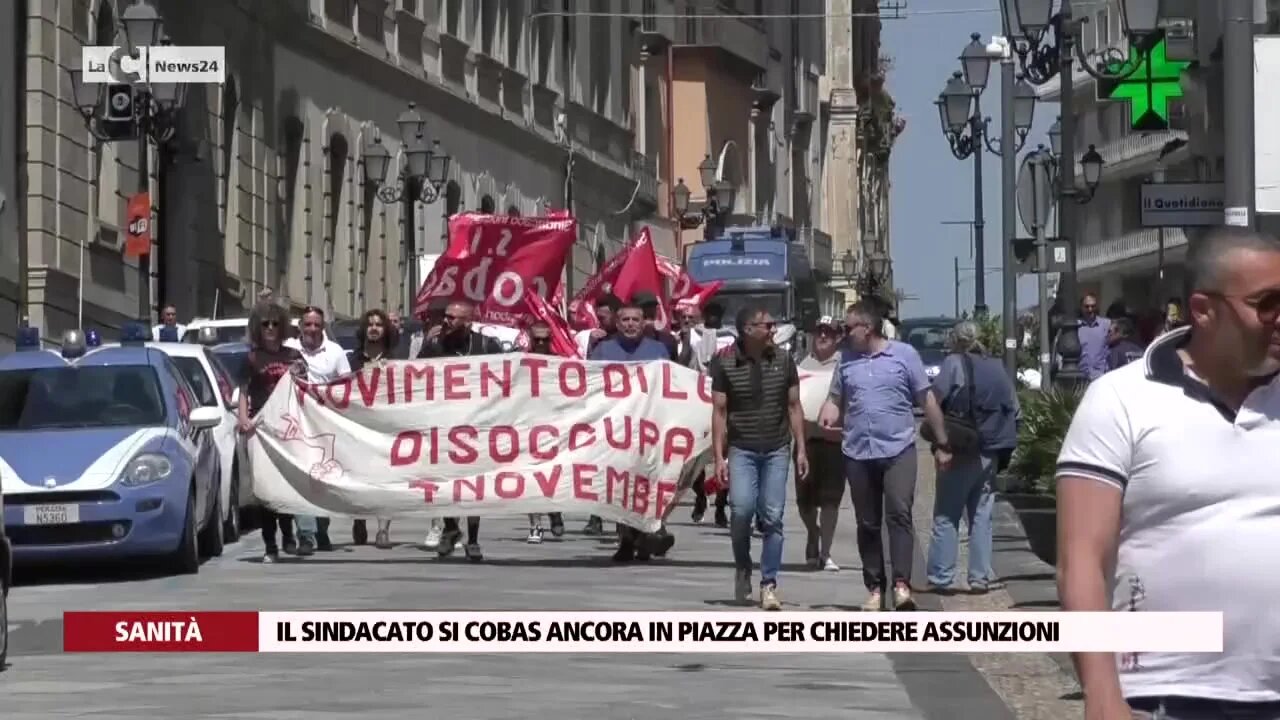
6,581
215,387
106,454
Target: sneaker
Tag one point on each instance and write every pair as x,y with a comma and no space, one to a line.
432,540
874,602
663,542
595,526
450,540
625,554
535,536
769,598
830,565
978,588
812,557
473,552
382,540
722,518
902,599
742,586
557,524
270,557
306,547
290,547
697,518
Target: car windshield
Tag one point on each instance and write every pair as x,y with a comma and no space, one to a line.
226,334
194,372
234,361
80,397
733,302
930,340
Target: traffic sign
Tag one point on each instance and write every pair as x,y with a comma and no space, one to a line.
1150,87
1027,260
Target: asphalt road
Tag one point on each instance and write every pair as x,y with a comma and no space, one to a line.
573,573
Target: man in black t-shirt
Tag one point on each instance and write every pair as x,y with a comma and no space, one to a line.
455,338
269,361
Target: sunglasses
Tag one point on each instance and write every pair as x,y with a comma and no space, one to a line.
1266,304
270,324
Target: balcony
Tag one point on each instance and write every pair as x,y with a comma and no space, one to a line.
655,33
1114,254
740,40
818,246
646,172
1135,154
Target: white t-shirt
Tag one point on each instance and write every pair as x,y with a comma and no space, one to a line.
324,364
1200,518
155,331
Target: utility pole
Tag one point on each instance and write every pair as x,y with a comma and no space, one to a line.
1069,349
1237,72
957,284
1008,213
979,221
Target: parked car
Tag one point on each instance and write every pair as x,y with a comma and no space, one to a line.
106,454
929,337
215,387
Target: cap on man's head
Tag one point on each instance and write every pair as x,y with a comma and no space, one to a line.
826,321
643,298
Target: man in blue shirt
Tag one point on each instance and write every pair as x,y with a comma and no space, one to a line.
631,343
875,387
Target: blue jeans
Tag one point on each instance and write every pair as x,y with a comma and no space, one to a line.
758,492
967,488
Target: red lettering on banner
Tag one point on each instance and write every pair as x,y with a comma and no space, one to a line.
391,387
640,495
369,391
578,372
648,435
535,366
462,437
583,474
665,495
577,441
548,482
679,444
704,388
642,380
414,372
454,382
302,389
428,488
476,487
496,450
406,448
617,382
509,485
489,378
669,391
623,443
535,447
614,476
339,401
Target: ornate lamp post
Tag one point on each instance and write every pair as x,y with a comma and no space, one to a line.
713,211
143,111
420,179
1047,47
967,131
870,272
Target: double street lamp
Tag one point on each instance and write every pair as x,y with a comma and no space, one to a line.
420,179
142,111
712,212
967,133
869,272
1047,46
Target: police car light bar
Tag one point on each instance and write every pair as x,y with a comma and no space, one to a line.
28,338
92,338
73,344
134,333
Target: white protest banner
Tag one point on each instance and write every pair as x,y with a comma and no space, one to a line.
498,435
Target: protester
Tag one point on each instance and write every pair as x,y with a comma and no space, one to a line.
756,419
376,342
268,361
396,323
648,302
326,362
456,338
169,329
876,384
707,347
540,344
1167,495
606,307
1122,346
1093,339
630,344
1174,317
975,387
818,499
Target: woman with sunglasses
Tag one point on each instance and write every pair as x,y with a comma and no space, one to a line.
376,340
269,360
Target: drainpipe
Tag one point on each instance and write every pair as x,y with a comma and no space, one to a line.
19,201
671,150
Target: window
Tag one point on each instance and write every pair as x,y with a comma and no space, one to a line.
226,380
339,11
193,370
545,39
453,18
369,23
515,35
488,27
80,397
487,205
513,211
236,362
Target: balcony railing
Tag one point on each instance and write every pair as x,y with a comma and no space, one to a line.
818,246
1113,250
646,172
736,37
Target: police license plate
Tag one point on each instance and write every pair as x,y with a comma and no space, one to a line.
51,514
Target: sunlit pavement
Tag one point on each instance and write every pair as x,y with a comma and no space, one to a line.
574,573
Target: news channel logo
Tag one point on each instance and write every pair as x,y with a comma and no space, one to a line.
155,64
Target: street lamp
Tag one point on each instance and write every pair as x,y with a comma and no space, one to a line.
967,133
1090,165
421,179
714,210
1047,46
145,112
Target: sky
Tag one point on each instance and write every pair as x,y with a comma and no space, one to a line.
929,185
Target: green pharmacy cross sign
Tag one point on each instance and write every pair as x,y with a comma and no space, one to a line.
1154,82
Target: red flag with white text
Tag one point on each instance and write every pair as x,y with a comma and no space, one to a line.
562,343
492,260
685,292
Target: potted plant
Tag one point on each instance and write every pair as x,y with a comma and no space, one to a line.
1046,417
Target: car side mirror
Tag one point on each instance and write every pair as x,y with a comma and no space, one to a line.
206,417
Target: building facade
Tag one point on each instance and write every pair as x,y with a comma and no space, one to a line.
263,184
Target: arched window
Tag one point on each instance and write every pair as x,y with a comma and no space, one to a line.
513,211
338,152
487,205
291,135
452,199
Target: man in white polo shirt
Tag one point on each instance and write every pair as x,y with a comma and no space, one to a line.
326,362
1168,489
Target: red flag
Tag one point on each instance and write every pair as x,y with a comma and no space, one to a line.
493,259
633,270
562,343
684,291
